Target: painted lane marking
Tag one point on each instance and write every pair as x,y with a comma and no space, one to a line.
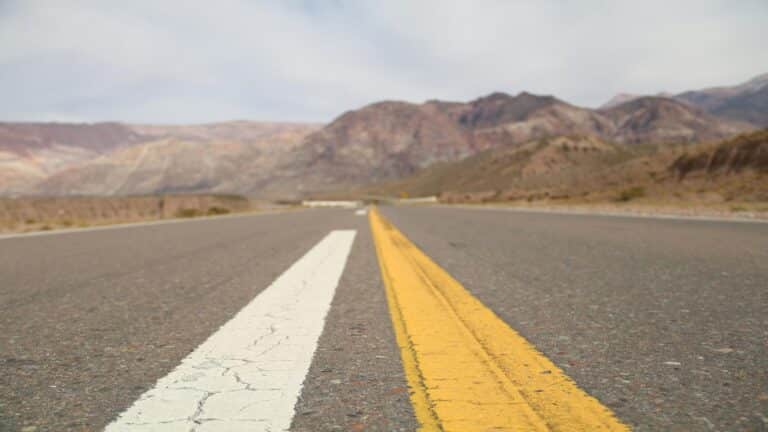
361,212
467,369
248,375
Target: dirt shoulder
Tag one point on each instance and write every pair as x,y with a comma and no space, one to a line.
732,211
18,215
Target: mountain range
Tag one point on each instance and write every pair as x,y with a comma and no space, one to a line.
381,142
584,168
747,102
389,140
123,159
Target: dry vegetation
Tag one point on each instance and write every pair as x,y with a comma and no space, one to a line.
35,214
716,178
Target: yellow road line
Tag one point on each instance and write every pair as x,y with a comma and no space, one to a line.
467,369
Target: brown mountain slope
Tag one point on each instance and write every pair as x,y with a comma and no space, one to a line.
500,108
225,158
500,119
238,130
747,152
537,165
657,120
618,99
100,137
592,170
29,152
390,140
379,142
746,102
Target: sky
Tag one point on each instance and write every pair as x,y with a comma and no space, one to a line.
196,61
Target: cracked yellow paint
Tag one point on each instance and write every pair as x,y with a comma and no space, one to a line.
467,369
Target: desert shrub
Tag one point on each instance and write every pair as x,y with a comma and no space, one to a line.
30,221
631,193
212,211
187,213
231,197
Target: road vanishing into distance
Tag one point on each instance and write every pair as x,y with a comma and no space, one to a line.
396,319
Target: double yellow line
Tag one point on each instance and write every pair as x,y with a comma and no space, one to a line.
467,369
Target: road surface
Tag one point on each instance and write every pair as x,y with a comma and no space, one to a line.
659,324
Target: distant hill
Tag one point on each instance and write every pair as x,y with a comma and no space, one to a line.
619,99
743,153
376,143
586,168
225,158
123,159
664,120
29,152
746,102
537,164
389,140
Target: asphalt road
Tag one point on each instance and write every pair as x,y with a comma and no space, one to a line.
664,321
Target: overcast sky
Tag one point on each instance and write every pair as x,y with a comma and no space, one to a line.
200,61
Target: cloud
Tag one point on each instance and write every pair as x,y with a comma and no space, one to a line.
194,61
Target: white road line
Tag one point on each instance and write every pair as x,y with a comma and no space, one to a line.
249,374
361,212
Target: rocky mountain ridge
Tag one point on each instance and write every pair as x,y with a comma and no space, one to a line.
379,142
745,102
584,169
390,140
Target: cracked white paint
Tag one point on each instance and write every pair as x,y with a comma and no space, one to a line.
248,375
